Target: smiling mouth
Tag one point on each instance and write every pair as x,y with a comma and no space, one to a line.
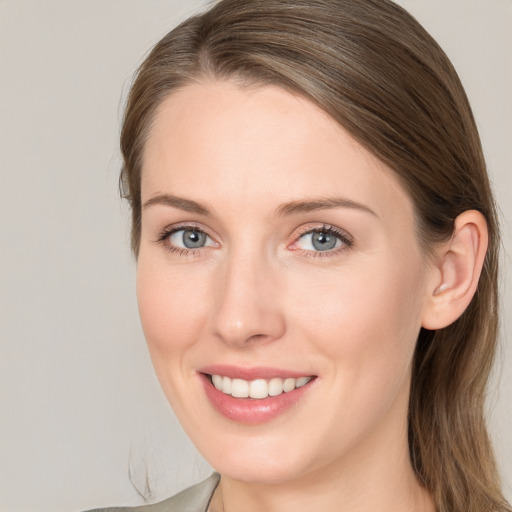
258,388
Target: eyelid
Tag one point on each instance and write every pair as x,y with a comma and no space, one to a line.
346,239
344,236
168,231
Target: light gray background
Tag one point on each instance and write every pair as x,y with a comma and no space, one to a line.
80,407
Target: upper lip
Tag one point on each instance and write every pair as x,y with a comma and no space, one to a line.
251,373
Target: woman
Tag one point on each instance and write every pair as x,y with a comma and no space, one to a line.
317,258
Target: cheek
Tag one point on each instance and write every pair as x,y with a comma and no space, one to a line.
170,317
366,317
365,324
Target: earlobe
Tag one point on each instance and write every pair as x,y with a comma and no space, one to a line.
456,272
441,289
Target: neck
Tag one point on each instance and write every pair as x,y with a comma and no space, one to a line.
375,476
390,489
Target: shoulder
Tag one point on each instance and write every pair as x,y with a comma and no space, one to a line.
193,499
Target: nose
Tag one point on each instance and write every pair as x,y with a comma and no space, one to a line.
247,301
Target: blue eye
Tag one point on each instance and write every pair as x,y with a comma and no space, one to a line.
322,240
189,239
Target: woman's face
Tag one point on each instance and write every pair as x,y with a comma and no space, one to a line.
280,257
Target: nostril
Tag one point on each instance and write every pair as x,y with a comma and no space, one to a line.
256,337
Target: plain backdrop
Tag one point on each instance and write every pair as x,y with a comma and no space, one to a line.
82,418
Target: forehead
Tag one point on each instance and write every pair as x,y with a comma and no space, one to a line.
216,140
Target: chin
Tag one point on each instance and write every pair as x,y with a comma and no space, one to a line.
266,470
260,459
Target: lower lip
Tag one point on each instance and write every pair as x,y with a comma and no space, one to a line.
252,411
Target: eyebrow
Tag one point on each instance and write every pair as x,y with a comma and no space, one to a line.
177,202
293,207
326,203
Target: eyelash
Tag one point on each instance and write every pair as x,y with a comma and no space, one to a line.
344,237
163,239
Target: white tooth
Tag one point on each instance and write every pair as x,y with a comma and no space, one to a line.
289,385
302,381
226,385
217,381
275,386
240,388
258,388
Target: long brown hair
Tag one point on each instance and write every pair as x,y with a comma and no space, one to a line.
376,71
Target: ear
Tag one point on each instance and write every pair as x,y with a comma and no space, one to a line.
455,273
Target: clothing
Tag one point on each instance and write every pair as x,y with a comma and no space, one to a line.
194,499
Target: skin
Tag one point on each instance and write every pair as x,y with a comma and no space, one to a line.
259,295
